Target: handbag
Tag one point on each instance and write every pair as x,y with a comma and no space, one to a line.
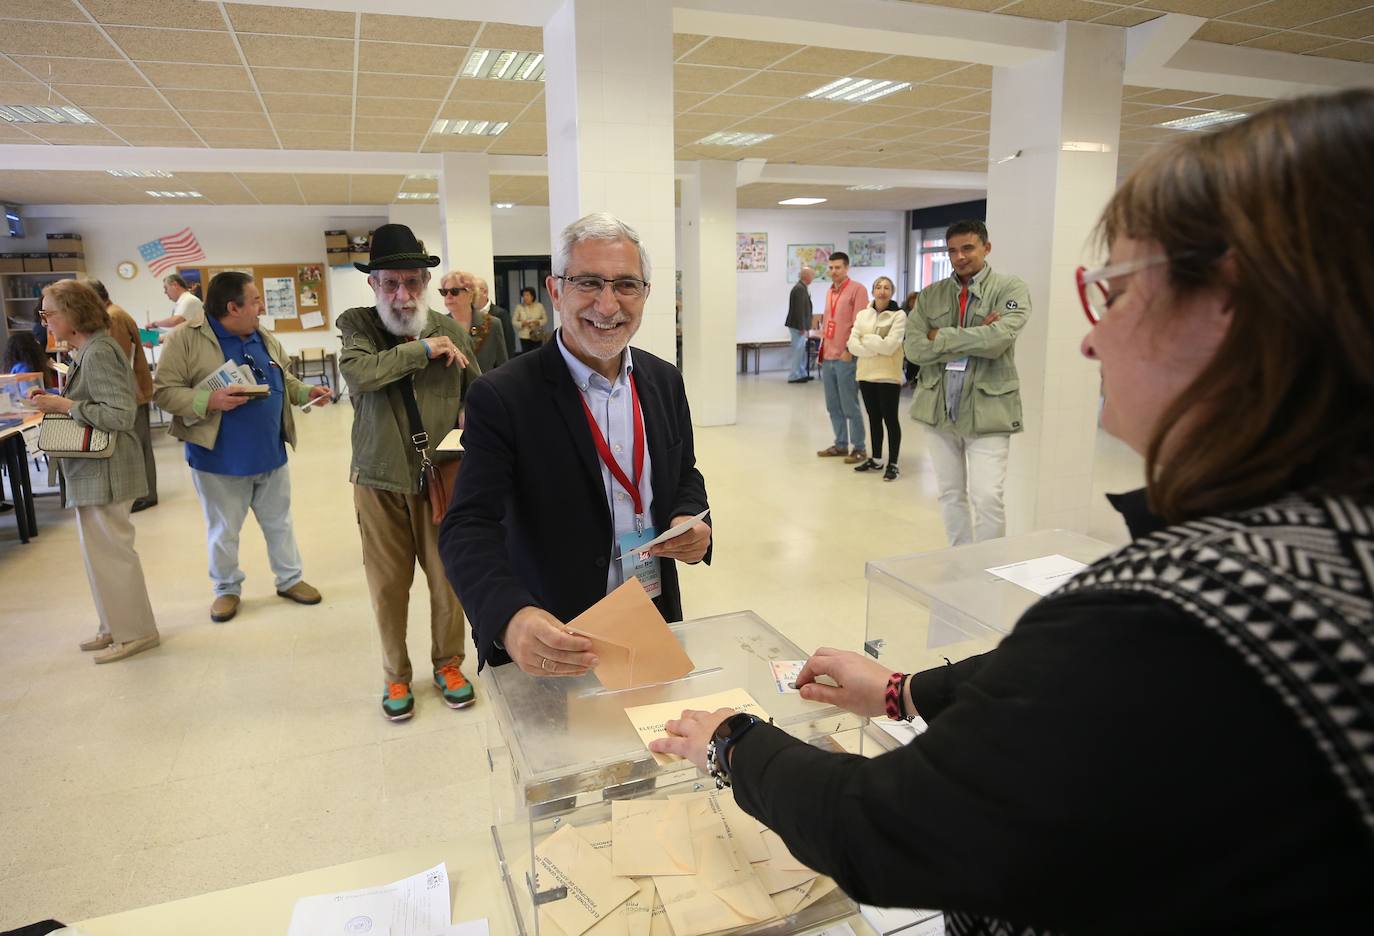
61,436
436,481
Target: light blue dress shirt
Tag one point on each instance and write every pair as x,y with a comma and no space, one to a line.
612,407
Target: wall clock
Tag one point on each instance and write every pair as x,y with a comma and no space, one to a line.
127,269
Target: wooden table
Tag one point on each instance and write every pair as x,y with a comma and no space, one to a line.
745,347
16,457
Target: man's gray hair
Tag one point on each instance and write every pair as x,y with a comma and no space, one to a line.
602,226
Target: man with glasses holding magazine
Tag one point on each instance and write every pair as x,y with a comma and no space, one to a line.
236,442
575,454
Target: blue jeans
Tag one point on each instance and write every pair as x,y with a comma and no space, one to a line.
226,500
842,402
799,369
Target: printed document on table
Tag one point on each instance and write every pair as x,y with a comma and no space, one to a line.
415,906
1042,575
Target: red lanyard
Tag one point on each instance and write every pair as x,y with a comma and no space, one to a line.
608,459
963,304
833,299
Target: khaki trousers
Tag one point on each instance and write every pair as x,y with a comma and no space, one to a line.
115,572
396,532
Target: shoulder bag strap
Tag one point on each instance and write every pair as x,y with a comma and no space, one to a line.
406,387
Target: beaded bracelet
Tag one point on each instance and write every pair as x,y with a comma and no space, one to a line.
892,698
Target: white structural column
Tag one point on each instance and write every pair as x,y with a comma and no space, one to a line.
708,291
465,213
1059,112
608,75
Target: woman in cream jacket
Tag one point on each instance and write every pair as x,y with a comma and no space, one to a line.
876,343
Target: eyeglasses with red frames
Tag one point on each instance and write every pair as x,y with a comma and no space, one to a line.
1094,289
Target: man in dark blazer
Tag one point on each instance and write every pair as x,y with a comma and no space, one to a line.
799,323
551,496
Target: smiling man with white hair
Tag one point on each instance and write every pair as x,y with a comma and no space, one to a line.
397,356
575,454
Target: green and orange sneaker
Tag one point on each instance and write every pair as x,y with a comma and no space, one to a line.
398,704
453,685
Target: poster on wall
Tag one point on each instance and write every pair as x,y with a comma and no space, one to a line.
279,293
867,248
816,256
310,277
751,252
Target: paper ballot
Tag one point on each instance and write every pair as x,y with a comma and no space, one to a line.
649,720
414,906
566,859
651,837
1042,575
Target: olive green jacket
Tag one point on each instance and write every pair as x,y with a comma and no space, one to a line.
101,388
383,456
990,402
191,354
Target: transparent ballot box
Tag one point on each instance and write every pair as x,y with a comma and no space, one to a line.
566,750
929,607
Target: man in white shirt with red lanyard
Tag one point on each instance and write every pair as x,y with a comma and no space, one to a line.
842,304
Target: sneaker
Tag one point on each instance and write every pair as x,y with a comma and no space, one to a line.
98,642
301,593
127,649
891,473
453,685
870,465
398,704
224,608
856,456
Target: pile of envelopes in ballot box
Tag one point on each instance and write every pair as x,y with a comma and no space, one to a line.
683,866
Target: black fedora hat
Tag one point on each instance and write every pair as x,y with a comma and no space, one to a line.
395,247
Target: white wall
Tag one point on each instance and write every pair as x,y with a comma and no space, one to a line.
522,231
761,298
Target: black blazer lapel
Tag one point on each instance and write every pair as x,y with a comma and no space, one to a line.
567,400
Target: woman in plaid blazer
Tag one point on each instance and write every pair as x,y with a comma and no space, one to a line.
100,395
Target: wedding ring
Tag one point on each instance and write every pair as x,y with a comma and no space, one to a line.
544,663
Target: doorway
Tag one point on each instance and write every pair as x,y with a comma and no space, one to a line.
512,274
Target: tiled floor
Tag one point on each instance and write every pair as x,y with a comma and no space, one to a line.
254,749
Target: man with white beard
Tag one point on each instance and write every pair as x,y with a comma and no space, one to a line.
398,348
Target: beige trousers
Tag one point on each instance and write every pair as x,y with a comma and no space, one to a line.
115,572
396,532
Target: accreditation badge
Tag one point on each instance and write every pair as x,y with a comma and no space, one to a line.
637,563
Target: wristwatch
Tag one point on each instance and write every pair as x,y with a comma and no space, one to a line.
727,733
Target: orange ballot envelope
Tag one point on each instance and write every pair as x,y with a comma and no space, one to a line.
632,642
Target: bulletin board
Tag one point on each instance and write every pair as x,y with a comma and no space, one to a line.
292,293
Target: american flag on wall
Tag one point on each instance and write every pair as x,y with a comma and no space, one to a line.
165,253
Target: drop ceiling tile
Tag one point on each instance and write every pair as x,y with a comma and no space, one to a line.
388,142
974,76
684,43
874,114
84,135
297,52
981,122
384,186
400,58
1350,52
1166,96
506,36
910,68
1351,26
158,136
534,113
392,107
976,103
228,120
1127,16
420,87
479,89
701,124
1207,8
97,96
242,101
136,117
388,28
10,72
79,71
320,189
479,110
397,124
12,134
1286,14
1225,102
738,104
775,124
337,123
508,144
167,75
311,140
272,188
686,100
834,63
174,45
237,139
448,143
1228,33
706,78
307,104
932,95
55,10
185,13
290,21
811,110
31,92
304,80
778,84
1290,42
1057,10
78,40
748,53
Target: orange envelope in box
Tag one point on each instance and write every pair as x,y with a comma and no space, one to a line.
633,644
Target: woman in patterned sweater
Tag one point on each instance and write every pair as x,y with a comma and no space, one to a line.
1181,739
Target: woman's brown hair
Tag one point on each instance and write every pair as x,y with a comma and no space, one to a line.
1279,212
80,304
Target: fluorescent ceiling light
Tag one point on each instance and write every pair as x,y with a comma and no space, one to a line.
504,65
417,196
801,201
1202,121
868,188
504,204
175,194
470,127
860,90
44,113
422,176
140,173
1080,146
734,139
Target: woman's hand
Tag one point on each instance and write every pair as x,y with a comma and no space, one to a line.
860,681
688,735
46,402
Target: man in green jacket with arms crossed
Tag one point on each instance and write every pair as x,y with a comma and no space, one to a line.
398,342
963,334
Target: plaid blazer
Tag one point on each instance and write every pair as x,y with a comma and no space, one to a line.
101,385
